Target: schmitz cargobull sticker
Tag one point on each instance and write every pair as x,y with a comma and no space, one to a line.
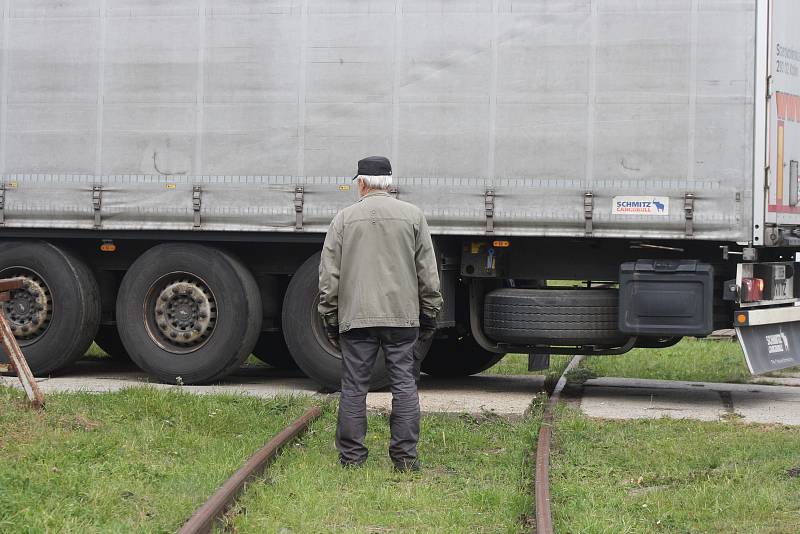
640,205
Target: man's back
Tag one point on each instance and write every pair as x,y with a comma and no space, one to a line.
386,265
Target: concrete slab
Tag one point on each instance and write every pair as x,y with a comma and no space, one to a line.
497,394
628,398
777,380
621,402
95,379
502,395
768,404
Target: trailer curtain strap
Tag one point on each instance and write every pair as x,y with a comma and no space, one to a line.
588,213
97,204
2,204
489,205
298,208
688,210
196,205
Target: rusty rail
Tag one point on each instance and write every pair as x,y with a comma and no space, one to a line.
17,363
544,515
215,507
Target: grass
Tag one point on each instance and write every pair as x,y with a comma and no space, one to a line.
517,364
140,460
674,476
95,352
476,477
692,360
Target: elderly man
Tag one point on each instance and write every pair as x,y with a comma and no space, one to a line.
379,288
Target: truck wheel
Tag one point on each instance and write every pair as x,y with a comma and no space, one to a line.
271,349
304,331
558,316
56,315
454,357
107,338
188,313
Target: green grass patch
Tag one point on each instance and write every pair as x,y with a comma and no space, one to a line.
476,477
140,460
517,364
674,476
96,352
692,360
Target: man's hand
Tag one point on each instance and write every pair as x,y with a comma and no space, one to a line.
427,324
332,331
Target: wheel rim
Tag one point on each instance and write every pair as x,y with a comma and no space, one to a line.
180,312
318,328
29,310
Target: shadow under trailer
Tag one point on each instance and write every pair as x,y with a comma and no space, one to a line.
170,170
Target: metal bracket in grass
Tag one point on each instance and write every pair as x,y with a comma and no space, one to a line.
794,472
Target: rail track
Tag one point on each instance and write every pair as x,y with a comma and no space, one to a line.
544,516
214,508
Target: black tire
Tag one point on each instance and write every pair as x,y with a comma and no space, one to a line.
222,328
457,356
68,293
557,316
271,349
108,339
304,332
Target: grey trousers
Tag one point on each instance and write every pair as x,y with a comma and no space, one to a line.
359,351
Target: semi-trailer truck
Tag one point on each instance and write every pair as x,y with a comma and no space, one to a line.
169,169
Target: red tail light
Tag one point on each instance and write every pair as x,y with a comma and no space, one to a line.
752,289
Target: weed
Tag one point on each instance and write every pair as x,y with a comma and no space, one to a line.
579,375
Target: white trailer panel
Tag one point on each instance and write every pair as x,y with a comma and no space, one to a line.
783,198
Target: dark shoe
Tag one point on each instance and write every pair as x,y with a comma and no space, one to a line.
351,465
405,467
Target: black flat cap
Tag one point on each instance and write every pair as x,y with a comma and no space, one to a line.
374,166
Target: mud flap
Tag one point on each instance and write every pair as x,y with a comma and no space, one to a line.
770,347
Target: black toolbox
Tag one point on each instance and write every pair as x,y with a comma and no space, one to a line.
666,298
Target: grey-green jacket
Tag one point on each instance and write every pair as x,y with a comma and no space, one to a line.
378,267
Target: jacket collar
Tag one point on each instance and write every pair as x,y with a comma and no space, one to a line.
374,194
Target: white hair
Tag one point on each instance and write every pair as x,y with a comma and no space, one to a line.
376,182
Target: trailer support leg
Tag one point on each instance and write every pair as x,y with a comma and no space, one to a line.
17,361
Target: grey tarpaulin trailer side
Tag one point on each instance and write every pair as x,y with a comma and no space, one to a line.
580,133
524,207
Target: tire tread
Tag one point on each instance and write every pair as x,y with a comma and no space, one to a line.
564,316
